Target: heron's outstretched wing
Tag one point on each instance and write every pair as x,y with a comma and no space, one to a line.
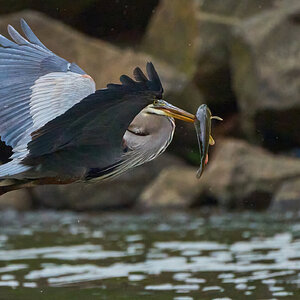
89,135
36,86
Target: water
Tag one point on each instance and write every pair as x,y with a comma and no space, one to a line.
180,256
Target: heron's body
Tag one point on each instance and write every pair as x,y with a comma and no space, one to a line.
61,129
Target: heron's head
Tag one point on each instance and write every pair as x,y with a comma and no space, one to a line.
163,108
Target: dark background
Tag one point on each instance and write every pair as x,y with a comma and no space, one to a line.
117,21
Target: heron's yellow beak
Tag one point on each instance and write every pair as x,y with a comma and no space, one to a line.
175,112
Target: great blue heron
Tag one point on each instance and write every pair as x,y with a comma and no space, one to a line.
61,129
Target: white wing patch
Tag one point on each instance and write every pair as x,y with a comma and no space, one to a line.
53,94
36,86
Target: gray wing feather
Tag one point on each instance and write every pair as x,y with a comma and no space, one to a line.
23,62
30,35
16,36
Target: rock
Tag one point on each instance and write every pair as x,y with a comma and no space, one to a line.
117,21
18,200
122,192
243,176
194,36
287,197
174,187
266,69
103,61
172,33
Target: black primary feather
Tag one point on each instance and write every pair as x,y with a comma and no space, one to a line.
142,83
126,80
154,81
139,75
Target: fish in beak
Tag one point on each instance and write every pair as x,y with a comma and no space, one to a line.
203,129
202,123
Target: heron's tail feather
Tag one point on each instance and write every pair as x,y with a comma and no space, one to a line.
6,189
12,168
8,185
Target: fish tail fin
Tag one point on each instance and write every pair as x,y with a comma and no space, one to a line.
216,118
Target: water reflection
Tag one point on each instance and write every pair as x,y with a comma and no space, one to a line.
185,256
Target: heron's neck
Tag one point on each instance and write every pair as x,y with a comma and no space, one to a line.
149,135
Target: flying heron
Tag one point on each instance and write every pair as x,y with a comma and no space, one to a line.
61,129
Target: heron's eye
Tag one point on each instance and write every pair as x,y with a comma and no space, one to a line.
158,102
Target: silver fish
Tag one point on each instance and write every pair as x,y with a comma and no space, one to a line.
202,125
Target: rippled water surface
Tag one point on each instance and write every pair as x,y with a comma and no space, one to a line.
50,255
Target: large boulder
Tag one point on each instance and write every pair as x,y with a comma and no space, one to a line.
195,36
103,61
172,33
266,68
238,176
118,21
287,197
176,187
17,200
245,176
